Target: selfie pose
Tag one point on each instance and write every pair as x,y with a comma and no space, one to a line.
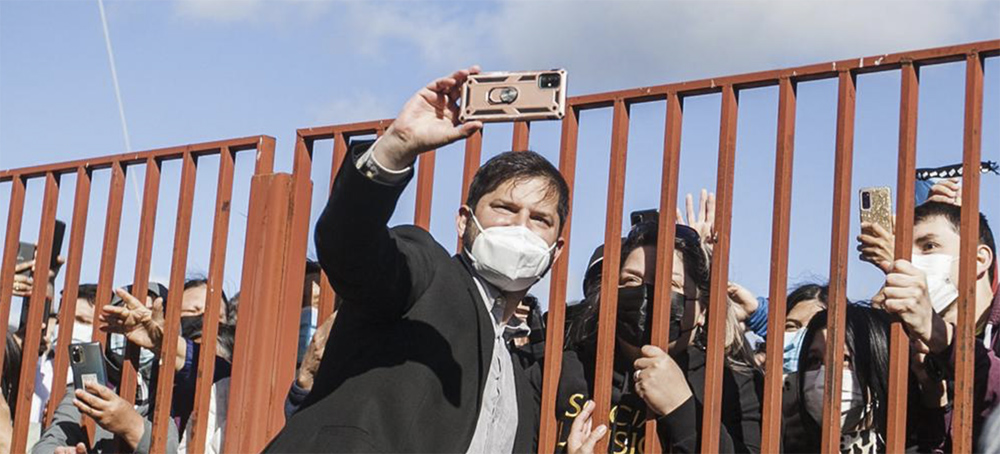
418,361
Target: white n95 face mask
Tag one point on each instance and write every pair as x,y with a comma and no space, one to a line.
851,401
937,267
511,257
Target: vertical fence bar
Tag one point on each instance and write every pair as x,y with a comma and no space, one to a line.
556,322
36,307
660,333
718,299
71,286
899,344
965,330
473,158
612,260
519,141
834,359
171,332
109,252
248,344
213,303
425,190
327,296
140,282
11,243
780,226
268,226
290,300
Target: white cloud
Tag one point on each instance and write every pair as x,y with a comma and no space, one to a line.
655,42
354,107
219,10
439,32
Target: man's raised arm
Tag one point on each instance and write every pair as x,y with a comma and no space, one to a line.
361,259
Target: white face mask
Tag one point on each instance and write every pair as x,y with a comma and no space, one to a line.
937,267
81,333
851,401
511,257
117,342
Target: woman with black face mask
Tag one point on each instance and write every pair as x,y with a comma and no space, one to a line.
648,382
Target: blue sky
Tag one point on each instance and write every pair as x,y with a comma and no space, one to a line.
198,70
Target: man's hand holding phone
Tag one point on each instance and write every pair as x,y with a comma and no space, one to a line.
429,120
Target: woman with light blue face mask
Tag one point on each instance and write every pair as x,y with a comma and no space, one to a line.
802,304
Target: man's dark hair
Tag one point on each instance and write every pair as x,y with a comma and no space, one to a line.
807,292
519,166
953,214
87,292
202,281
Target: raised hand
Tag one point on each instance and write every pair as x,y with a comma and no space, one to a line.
877,246
111,412
906,295
744,301
141,325
429,120
947,191
23,284
582,436
703,221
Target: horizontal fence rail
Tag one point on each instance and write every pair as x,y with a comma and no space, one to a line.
279,222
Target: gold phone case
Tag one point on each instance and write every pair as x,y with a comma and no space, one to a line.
512,96
876,206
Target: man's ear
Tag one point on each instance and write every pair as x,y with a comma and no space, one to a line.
984,260
560,242
462,219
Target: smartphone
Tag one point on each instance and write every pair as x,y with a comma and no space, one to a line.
87,362
26,251
876,206
513,96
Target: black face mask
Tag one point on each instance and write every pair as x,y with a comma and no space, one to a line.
191,327
635,318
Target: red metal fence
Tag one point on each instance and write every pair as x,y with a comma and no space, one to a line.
278,225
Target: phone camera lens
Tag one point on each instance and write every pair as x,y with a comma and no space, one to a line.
76,354
866,200
550,80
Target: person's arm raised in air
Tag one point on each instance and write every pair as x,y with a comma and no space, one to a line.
361,259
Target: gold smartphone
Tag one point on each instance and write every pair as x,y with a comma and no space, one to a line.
876,206
513,96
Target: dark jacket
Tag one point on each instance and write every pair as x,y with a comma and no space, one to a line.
405,366
680,430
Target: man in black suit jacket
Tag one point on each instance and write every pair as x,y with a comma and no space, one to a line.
416,361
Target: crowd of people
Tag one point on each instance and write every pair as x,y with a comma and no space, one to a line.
432,352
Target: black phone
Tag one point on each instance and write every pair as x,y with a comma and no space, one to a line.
26,251
87,361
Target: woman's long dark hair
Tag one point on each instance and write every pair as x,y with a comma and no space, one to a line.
866,340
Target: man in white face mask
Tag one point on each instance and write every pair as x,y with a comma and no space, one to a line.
924,293
417,360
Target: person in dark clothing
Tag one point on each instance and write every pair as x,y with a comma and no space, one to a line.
417,360
648,382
